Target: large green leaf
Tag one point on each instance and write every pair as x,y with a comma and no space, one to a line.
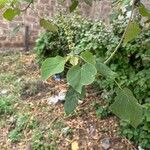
78,76
132,32
48,25
88,57
52,66
126,107
71,100
10,13
73,5
105,71
144,11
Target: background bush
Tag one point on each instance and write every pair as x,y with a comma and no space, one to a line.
50,44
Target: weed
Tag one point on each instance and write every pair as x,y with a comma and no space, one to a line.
15,135
101,111
33,124
59,124
5,106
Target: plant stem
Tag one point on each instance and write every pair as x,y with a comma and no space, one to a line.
122,38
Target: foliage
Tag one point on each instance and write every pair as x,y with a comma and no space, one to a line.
131,65
85,72
51,44
95,39
101,111
72,98
38,142
140,135
126,104
16,133
5,106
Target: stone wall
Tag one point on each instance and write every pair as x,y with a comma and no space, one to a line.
47,8
44,8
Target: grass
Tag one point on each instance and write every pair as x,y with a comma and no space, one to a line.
18,113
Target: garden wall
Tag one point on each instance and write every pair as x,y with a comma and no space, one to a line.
99,10
46,8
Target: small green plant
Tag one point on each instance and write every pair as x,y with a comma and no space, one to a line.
5,106
40,143
33,124
101,111
16,134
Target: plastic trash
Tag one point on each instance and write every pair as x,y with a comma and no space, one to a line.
53,100
56,98
57,77
3,92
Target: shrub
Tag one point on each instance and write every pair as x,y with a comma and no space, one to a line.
50,44
71,30
132,65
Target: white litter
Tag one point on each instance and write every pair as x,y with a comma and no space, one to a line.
56,98
3,92
140,148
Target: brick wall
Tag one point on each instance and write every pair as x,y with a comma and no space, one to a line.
46,8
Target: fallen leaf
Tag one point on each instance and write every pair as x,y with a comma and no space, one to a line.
74,145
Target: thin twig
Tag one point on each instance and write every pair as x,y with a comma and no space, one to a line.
122,38
22,10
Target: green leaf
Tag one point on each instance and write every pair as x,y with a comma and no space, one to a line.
74,60
71,100
126,107
78,76
88,57
132,32
3,3
48,25
105,71
73,6
144,11
52,66
10,13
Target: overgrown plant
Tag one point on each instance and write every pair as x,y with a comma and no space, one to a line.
85,67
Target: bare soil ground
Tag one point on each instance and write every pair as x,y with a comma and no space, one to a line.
28,122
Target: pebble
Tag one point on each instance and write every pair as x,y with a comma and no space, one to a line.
105,143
